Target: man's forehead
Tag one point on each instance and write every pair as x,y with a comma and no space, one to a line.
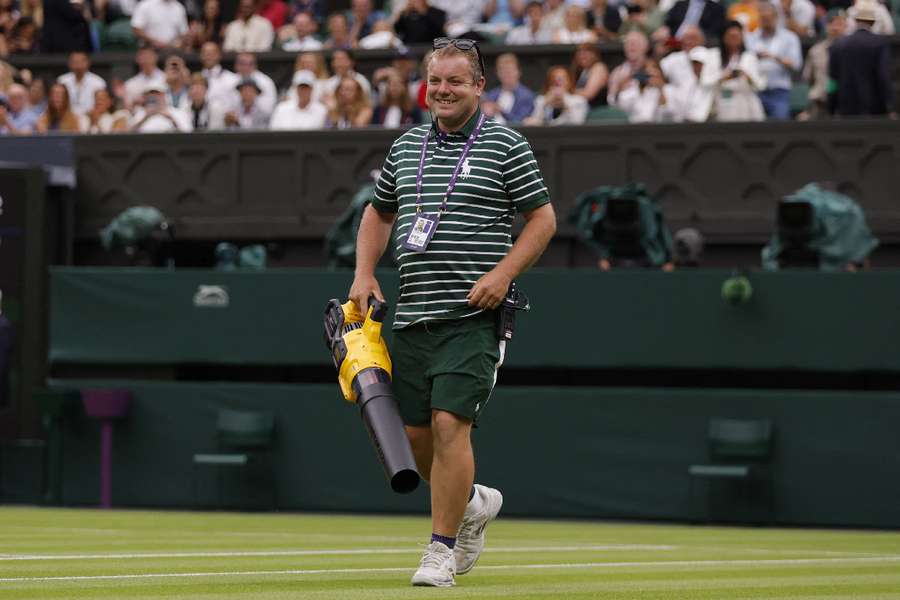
449,66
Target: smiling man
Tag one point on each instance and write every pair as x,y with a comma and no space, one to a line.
454,188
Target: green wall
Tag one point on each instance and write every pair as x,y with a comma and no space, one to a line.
610,453
581,318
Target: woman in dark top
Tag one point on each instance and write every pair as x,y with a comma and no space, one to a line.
209,27
589,74
420,23
397,108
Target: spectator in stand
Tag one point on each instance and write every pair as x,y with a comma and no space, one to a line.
250,112
397,108
382,36
745,12
160,23
708,15
463,16
642,15
797,15
313,62
532,31
350,106
204,113
59,116
66,28
692,102
604,20
575,30
554,16
405,65
503,15
338,32
647,97
558,104
314,8
342,65
81,83
301,110
779,53
177,76
248,32
15,116
245,65
815,69
420,23
274,11
676,67
884,22
33,9
220,82
362,20
733,74
37,97
8,16
148,73
510,102
210,27
156,116
590,75
636,45
860,65
300,35
103,117
24,37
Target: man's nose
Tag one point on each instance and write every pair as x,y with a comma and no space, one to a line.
443,87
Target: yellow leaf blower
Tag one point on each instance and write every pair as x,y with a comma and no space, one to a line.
364,374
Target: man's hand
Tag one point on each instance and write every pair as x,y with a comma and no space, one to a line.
490,290
362,289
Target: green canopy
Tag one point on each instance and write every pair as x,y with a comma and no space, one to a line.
840,237
590,210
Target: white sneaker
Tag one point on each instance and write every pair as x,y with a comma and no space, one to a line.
437,567
470,539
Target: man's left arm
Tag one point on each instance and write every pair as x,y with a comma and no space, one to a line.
540,225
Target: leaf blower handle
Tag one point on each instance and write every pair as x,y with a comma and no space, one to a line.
378,308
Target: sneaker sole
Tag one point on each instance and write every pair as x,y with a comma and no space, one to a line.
493,511
428,583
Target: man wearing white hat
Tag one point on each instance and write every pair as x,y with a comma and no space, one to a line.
301,112
156,116
860,67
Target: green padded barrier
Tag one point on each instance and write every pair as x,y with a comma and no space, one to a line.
580,318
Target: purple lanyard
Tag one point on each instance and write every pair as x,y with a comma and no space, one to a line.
462,157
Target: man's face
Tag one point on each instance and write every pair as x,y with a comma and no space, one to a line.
245,64
304,25
361,7
197,93
535,13
691,39
635,45
79,63
452,94
304,95
508,73
768,18
245,9
837,27
341,63
248,95
174,71
17,98
146,59
337,26
210,55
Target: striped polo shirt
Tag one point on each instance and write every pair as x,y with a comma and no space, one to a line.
499,178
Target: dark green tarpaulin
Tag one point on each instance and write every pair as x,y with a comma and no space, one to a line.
841,233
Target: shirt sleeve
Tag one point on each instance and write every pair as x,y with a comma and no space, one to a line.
139,17
385,200
522,178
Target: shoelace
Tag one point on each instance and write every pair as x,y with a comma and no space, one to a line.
433,558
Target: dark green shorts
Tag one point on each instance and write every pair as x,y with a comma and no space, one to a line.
446,365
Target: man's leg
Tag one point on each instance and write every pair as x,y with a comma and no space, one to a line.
452,471
422,447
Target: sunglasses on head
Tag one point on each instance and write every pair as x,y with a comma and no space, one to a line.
463,44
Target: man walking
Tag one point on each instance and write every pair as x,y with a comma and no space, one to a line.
454,188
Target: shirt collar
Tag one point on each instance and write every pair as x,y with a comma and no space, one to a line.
465,130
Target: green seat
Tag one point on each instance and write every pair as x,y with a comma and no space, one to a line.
245,440
740,451
118,37
607,114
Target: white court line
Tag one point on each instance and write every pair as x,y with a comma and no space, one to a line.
336,552
590,565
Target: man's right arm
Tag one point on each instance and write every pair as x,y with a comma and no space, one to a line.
371,242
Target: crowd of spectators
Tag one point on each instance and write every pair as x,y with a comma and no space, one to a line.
685,61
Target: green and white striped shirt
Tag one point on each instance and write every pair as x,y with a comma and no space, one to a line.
499,178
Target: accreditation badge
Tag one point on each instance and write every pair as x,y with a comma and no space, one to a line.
421,232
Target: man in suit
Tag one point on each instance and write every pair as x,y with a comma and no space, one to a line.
860,69
706,14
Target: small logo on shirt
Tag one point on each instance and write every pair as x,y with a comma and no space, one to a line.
466,169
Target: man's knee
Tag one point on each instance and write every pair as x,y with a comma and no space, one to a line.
447,427
419,436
